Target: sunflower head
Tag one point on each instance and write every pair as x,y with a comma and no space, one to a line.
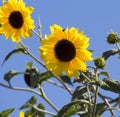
100,62
65,51
113,38
15,20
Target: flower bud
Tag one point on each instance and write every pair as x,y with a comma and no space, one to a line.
112,38
29,73
100,62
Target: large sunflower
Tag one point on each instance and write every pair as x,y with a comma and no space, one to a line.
65,50
15,20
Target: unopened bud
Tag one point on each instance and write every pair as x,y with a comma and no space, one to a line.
113,38
28,77
100,62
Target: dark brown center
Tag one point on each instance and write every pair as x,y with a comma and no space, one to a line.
16,19
65,50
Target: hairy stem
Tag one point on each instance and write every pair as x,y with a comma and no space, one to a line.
43,95
89,97
43,111
33,91
107,103
86,77
37,34
46,68
62,82
95,102
96,95
31,55
21,89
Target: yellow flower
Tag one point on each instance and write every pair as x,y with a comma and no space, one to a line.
22,114
64,50
15,20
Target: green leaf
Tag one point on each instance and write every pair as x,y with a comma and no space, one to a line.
13,52
82,78
71,108
105,74
100,109
7,112
33,77
109,84
11,74
79,93
36,113
40,114
44,76
28,112
66,79
29,103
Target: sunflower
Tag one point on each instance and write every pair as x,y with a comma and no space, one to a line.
21,114
15,20
65,51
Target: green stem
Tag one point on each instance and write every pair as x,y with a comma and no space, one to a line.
86,77
43,111
37,60
89,97
43,95
54,83
21,89
62,82
95,102
117,45
107,103
29,53
96,95
37,34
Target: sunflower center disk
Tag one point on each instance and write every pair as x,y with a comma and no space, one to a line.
64,50
16,19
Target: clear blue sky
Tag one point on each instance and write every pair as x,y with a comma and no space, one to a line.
95,18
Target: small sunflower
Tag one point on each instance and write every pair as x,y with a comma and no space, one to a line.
15,20
21,114
64,50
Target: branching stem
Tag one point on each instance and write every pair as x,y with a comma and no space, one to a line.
31,55
43,95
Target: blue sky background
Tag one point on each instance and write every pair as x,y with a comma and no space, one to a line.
95,18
